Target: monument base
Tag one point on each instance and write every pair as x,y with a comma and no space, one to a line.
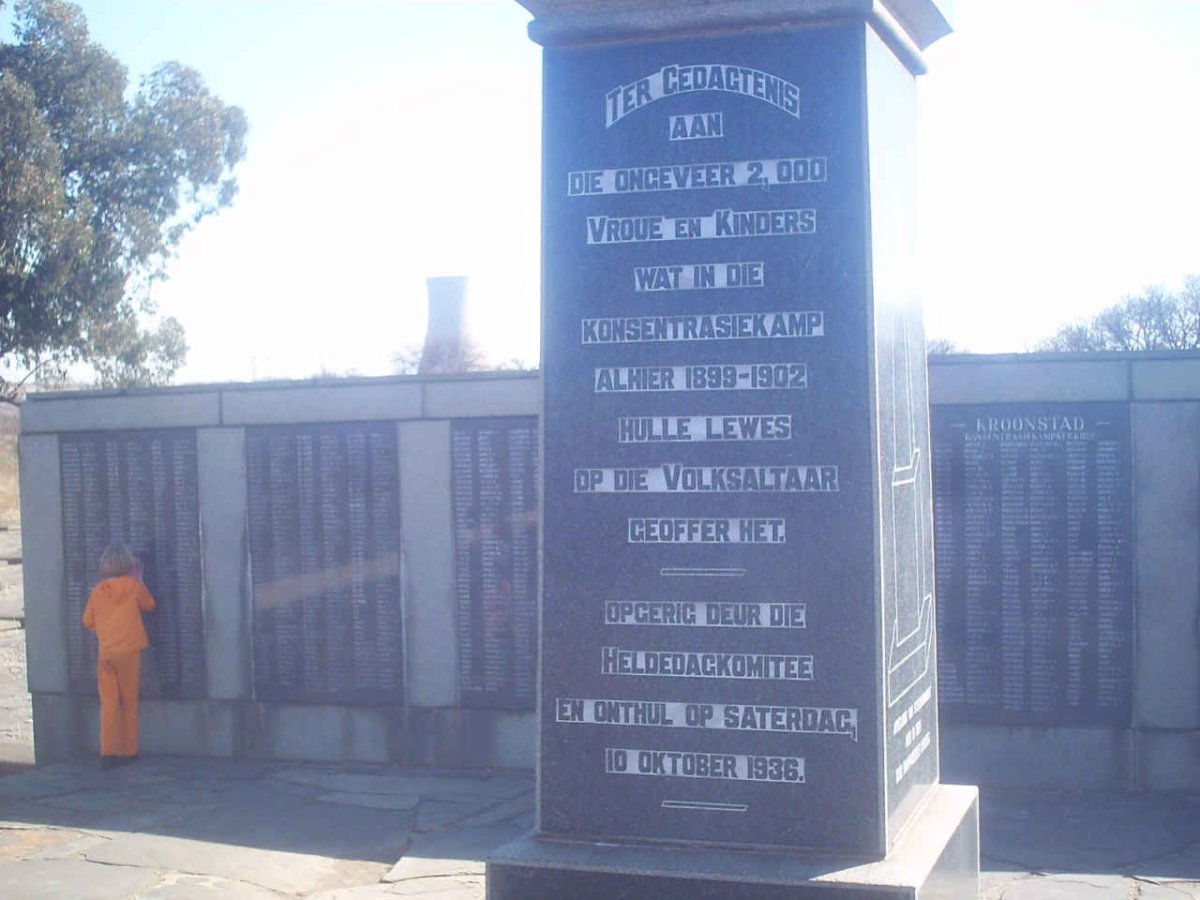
937,858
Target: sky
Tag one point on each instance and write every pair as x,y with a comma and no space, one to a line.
392,140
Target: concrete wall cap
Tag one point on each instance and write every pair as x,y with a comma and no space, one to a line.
241,403
1135,356
279,384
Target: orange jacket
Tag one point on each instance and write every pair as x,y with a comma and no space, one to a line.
114,612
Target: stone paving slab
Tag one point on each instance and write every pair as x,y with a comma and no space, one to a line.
289,873
1047,845
70,845
198,887
362,892
467,785
1069,887
49,781
208,770
1093,832
101,801
456,888
23,843
282,842
460,851
22,813
442,813
29,879
507,811
1169,891
1087,887
83,811
373,801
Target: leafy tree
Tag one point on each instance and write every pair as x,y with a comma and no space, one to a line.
1153,320
97,188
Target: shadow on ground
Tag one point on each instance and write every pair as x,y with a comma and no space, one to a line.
1081,832
285,828
343,812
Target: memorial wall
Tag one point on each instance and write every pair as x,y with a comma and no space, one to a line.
1067,519
324,548
1065,532
343,570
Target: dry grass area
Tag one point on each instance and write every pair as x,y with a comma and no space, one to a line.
10,505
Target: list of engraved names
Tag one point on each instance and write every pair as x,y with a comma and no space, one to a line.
139,487
324,516
1034,565
495,551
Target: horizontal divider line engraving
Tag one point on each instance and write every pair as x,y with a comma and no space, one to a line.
705,806
698,572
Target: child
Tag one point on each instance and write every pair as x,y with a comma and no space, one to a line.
114,612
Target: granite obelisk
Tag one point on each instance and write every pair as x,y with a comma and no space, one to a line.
738,685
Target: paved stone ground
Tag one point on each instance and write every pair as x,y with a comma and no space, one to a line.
1047,845
190,828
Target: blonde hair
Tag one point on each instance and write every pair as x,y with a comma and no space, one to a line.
117,559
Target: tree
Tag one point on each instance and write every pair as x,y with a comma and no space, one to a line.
439,358
942,347
96,191
1153,320
415,360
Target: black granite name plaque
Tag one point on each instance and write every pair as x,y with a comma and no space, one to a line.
710,664
1034,563
139,487
324,513
495,551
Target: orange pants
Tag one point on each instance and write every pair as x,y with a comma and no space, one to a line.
117,677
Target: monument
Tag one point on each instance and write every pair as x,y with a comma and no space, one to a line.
737,692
